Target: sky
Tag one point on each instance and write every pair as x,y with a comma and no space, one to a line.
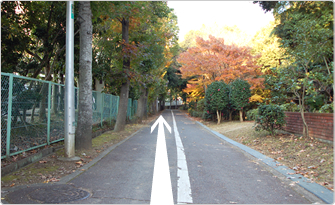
245,15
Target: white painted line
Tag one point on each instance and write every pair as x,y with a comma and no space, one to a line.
184,193
161,190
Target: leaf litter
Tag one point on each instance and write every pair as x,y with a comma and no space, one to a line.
308,157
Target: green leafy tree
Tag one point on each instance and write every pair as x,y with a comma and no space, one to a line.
239,95
305,30
217,98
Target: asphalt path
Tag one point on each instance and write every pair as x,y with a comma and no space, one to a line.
217,172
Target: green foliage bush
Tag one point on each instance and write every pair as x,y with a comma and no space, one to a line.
270,118
240,94
252,114
327,108
201,105
191,105
290,107
217,97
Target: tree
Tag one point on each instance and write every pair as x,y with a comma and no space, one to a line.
217,98
212,60
239,95
33,41
306,34
136,64
84,125
125,13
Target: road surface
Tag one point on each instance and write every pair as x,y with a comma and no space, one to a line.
217,173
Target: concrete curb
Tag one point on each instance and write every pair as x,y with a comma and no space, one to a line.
69,177
321,192
84,168
28,160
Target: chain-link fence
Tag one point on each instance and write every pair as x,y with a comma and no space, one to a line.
32,112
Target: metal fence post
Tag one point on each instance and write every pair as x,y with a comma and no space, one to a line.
49,114
110,109
9,115
117,105
102,107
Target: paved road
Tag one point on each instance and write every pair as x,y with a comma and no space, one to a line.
204,169
217,172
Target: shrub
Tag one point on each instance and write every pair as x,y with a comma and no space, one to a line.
252,114
290,107
327,108
201,105
195,113
270,118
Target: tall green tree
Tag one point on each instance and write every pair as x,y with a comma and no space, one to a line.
239,95
305,30
217,98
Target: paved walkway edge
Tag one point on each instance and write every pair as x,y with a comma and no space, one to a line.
321,192
69,177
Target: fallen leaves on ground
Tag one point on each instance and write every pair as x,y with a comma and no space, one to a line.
308,157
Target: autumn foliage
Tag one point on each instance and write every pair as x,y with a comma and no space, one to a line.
211,60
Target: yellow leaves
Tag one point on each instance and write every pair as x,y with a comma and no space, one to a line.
163,74
256,98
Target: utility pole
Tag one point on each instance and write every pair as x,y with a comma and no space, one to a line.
69,111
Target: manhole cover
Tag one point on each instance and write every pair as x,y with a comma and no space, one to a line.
58,194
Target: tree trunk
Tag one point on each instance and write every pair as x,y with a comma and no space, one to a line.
218,113
230,115
122,114
241,115
123,104
84,127
141,104
302,105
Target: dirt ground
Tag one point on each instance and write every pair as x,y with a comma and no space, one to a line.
50,169
309,157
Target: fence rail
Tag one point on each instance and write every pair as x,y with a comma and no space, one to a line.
32,112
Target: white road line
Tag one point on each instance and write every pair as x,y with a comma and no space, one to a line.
184,194
161,190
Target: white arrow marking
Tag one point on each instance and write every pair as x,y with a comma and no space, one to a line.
161,191
184,194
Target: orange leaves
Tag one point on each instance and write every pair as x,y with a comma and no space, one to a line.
212,60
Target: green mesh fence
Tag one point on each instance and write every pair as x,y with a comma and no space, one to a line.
32,112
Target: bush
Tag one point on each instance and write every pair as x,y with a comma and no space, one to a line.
290,107
327,108
195,113
252,114
270,118
201,105
191,105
